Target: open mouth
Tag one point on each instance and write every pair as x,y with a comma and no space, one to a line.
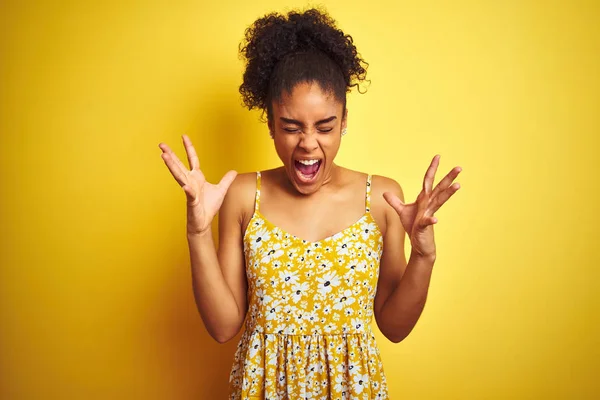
307,170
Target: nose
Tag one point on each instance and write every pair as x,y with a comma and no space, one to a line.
308,142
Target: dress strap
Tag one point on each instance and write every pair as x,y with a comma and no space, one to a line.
257,197
368,195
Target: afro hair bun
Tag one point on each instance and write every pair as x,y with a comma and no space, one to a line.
275,37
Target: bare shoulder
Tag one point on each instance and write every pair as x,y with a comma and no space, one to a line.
245,182
381,184
383,213
240,196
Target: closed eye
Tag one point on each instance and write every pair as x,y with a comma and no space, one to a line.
294,130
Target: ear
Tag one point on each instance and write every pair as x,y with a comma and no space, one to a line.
345,119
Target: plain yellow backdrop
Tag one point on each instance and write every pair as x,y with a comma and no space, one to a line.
95,292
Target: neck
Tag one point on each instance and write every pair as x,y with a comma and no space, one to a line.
332,178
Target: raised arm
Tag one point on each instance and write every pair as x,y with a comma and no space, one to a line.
218,280
403,287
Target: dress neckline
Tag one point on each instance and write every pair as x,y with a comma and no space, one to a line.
365,216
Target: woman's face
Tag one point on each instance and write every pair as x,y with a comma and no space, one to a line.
306,127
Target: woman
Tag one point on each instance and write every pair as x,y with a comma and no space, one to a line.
309,251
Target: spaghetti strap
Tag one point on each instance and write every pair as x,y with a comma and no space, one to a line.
257,197
368,195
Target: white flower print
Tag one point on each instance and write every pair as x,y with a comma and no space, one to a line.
327,282
361,267
256,372
325,265
258,239
272,358
291,329
292,253
299,290
288,277
340,384
358,324
263,296
280,329
343,247
273,252
289,310
310,317
359,381
258,223
274,310
351,267
345,300
342,368
255,347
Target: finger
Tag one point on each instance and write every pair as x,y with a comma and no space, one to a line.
446,182
443,197
171,154
227,180
424,222
174,168
430,174
394,201
191,153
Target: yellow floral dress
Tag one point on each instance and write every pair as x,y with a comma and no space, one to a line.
310,306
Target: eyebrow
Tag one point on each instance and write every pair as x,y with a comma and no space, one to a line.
296,122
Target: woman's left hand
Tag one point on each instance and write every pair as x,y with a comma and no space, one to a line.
417,217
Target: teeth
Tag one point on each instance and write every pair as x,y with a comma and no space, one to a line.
308,162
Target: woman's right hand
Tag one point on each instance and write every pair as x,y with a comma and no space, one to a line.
203,198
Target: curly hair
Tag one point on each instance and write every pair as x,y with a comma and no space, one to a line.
281,51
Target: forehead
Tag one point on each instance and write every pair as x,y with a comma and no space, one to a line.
307,101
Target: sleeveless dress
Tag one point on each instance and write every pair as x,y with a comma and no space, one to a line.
310,306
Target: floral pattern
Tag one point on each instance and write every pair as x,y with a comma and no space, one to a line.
310,309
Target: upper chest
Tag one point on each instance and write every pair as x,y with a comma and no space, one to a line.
316,217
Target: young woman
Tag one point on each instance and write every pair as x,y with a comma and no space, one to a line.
308,252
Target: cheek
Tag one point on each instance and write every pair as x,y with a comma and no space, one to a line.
284,146
330,145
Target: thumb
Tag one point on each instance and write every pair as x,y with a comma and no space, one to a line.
190,193
394,201
227,180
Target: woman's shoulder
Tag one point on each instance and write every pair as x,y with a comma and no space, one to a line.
244,186
240,195
382,184
379,183
379,207
243,182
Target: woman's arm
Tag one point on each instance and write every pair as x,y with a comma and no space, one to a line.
219,279
402,287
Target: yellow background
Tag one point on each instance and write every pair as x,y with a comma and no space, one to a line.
95,293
